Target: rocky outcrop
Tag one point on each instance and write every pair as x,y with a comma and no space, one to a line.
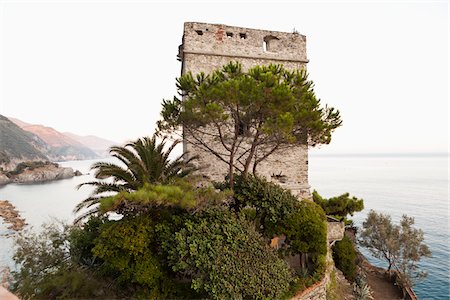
42,174
35,172
11,216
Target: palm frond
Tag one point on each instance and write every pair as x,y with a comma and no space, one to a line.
144,161
85,215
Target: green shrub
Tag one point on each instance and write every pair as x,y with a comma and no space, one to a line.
82,241
272,204
344,255
339,206
276,211
227,258
45,270
127,249
305,229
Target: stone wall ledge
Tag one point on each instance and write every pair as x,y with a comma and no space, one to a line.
235,55
314,292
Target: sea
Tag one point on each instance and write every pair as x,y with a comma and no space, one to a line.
415,185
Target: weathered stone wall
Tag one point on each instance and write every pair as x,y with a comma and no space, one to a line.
317,291
335,231
207,47
238,42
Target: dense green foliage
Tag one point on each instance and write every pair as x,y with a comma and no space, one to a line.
344,256
142,162
277,212
339,206
47,271
127,249
306,230
400,245
248,114
181,241
227,258
271,203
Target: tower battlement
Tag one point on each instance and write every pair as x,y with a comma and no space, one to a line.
239,42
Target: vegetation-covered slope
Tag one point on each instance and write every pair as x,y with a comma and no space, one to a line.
18,144
61,146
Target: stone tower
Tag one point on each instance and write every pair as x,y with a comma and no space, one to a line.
207,47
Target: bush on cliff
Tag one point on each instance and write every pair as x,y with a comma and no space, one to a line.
178,241
340,206
128,250
276,212
47,271
223,255
344,255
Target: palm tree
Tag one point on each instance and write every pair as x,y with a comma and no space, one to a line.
143,161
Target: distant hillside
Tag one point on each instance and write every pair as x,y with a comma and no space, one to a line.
99,145
17,144
62,147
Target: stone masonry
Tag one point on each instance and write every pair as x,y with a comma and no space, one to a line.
207,47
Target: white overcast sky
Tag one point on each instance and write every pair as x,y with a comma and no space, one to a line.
103,68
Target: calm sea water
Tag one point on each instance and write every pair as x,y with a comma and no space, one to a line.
414,185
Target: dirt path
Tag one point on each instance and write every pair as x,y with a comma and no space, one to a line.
381,287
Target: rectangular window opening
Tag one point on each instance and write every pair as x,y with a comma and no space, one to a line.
242,128
199,32
243,36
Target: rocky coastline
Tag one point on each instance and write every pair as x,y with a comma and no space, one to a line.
11,216
36,172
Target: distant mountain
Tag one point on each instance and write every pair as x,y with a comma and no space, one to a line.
18,145
66,145
99,145
63,147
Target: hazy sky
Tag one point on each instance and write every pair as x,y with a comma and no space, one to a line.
103,67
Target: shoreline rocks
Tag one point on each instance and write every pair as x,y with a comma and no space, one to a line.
42,174
37,174
11,216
